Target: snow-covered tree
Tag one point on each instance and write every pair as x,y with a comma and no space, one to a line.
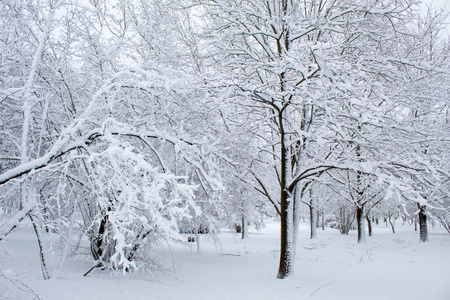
308,69
109,137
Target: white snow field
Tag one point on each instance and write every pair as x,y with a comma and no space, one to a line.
389,266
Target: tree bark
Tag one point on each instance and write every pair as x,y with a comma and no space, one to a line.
318,219
286,200
369,225
243,228
323,220
97,245
312,216
423,223
360,224
285,267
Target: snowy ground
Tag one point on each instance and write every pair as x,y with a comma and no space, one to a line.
388,266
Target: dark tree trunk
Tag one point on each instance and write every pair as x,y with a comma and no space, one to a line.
285,267
312,215
360,224
286,200
369,225
423,223
97,242
141,236
238,228
244,228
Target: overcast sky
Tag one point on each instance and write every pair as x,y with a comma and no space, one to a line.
437,3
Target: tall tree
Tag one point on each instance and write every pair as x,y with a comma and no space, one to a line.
296,63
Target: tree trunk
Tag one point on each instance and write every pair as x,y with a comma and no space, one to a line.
197,238
243,228
360,224
312,215
286,203
423,223
318,219
285,267
97,240
323,220
295,221
369,225
45,273
392,222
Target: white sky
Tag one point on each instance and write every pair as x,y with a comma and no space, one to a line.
439,4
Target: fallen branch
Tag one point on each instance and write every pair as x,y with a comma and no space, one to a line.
99,265
326,284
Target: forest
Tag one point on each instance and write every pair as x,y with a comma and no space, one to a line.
129,128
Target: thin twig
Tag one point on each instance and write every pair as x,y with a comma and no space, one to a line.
321,287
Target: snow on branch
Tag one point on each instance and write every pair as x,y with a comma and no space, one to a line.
12,223
72,137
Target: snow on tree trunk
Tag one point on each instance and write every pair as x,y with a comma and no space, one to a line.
66,248
197,238
295,222
27,189
286,263
27,90
244,229
360,224
423,223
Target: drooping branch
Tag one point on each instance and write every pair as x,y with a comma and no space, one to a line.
64,145
264,191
